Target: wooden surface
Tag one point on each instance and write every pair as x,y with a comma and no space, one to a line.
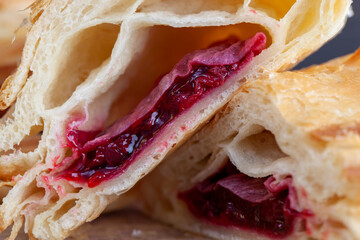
124,225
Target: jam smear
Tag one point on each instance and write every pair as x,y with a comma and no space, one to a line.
232,199
103,156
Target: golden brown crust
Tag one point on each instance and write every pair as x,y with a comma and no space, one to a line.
5,71
336,131
354,59
37,8
7,93
331,110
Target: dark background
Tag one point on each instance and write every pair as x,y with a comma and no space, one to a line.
346,42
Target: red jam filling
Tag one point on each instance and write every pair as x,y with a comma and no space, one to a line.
102,156
232,199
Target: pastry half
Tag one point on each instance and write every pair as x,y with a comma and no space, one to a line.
281,161
112,87
13,22
13,17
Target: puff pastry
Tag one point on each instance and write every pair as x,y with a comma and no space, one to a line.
290,143
86,64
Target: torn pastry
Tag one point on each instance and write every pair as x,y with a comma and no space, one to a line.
280,161
86,66
13,18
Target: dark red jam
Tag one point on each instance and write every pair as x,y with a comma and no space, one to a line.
191,79
232,199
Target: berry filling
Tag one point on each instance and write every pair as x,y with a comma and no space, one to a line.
232,199
98,157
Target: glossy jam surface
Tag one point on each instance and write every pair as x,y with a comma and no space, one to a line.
232,199
179,90
103,161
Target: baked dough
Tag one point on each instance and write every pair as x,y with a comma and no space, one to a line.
85,64
13,27
303,124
